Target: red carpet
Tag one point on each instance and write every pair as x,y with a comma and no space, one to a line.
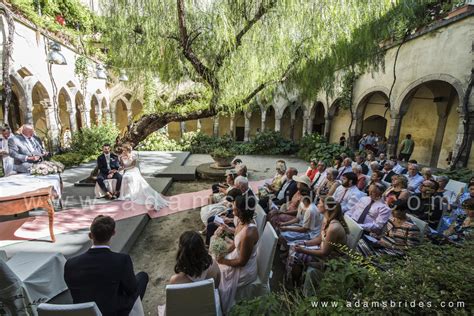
80,218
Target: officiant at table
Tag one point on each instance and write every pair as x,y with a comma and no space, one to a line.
26,149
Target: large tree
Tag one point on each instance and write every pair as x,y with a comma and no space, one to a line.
233,50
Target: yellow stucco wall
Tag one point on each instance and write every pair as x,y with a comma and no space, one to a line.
121,116
340,124
191,126
420,121
39,120
375,106
270,120
285,125
255,122
174,130
450,132
207,125
298,125
224,125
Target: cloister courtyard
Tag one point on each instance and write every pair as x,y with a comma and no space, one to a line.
245,157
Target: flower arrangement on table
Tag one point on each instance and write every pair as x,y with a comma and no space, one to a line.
46,167
219,244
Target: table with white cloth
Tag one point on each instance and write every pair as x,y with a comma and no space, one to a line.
22,192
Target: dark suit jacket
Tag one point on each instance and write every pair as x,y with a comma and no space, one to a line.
365,169
104,277
102,163
289,192
387,177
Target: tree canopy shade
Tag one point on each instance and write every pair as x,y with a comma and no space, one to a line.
234,50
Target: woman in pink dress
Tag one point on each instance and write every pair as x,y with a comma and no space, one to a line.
239,267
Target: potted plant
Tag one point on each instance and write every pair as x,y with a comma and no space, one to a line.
223,156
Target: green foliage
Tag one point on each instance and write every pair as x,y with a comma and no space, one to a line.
222,152
315,146
160,142
428,273
81,70
87,144
267,143
459,174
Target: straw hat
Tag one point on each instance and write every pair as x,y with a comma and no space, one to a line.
303,179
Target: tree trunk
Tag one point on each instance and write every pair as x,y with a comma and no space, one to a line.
7,56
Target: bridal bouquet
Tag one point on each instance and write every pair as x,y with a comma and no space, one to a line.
46,167
218,246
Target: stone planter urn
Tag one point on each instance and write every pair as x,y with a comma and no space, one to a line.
223,162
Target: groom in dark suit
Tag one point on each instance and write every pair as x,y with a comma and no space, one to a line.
103,276
108,164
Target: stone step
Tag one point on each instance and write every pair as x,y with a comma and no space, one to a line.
178,173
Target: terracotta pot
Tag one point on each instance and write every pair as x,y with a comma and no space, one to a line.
223,161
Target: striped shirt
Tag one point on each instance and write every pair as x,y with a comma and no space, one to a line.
406,235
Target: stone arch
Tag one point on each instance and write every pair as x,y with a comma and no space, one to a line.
17,111
64,110
255,121
121,114
104,108
94,110
340,121
373,104
317,117
41,101
239,125
430,111
297,123
270,118
286,123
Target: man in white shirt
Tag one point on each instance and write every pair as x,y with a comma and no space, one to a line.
346,167
4,152
397,168
348,194
371,212
414,178
320,176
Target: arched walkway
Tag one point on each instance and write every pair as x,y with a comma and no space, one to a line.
270,119
429,114
137,109
239,123
318,120
297,128
255,122
41,100
64,104
79,101
286,123
341,120
372,114
121,115
94,110
105,111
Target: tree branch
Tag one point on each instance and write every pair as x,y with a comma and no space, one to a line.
185,43
262,10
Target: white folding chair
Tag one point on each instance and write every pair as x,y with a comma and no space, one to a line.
455,186
197,298
83,309
355,232
265,254
261,218
422,226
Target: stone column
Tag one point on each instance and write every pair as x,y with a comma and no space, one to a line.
309,126
215,126
277,123
247,116
443,112
355,132
305,125
231,127
29,110
98,111
264,118
72,116
198,125
182,127
394,133
51,124
327,126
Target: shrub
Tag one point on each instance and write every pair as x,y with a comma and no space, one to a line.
271,143
315,146
462,174
428,273
224,153
160,142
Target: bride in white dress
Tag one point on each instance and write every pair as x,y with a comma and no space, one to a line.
134,187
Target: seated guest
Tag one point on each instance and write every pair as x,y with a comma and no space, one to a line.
463,227
388,172
221,189
289,210
239,266
103,276
382,159
285,194
400,231
329,185
362,142
360,161
345,168
320,176
371,212
449,197
397,168
361,178
427,206
427,174
313,169
414,178
463,197
323,247
376,177
241,170
109,165
373,166
466,187
277,181
411,161
8,162
348,194
337,163
307,223
397,191
193,262
370,158
26,149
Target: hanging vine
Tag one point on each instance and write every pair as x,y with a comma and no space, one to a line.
7,57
